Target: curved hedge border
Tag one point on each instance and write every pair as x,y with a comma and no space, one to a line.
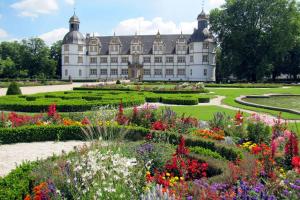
241,101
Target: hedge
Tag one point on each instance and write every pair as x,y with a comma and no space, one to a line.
180,101
229,153
63,133
17,183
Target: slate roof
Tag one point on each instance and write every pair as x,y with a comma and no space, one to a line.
147,41
74,37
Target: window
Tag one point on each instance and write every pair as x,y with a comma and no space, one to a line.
114,60
80,48
93,48
66,47
191,72
192,47
103,71
103,60
147,59
93,60
124,59
205,58
80,73
191,59
93,71
181,48
169,72
170,60
205,45
205,72
147,72
80,59
181,59
158,59
66,72
66,59
181,72
157,72
124,72
114,72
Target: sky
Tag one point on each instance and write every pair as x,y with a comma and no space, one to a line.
48,19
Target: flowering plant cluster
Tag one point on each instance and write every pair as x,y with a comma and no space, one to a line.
215,134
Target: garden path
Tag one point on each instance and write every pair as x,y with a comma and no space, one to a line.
53,88
14,154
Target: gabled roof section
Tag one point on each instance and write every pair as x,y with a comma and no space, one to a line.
147,41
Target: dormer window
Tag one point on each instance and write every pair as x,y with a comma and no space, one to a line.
94,45
158,45
136,46
115,45
181,45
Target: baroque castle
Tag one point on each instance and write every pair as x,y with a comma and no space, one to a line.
180,57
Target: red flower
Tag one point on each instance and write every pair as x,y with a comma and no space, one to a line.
296,163
85,121
159,126
256,150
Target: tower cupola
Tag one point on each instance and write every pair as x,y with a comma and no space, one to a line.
74,23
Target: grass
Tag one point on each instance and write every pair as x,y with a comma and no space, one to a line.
232,93
278,101
201,112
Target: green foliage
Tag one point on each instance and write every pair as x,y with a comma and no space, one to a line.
219,120
18,183
118,82
13,89
53,133
255,35
258,132
206,152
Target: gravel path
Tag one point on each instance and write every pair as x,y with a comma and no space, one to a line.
53,88
14,154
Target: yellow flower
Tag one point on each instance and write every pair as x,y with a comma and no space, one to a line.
181,178
176,178
168,174
148,173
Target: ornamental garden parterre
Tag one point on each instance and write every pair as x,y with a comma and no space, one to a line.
142,152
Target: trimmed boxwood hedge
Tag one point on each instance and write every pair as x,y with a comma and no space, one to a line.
53,133
180,101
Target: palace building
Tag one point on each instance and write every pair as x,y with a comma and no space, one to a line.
159,57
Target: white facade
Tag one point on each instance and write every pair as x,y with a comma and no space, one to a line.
149,58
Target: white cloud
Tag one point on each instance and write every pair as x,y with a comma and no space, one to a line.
144,27
54,35
70,2
215,3
3,33
34,8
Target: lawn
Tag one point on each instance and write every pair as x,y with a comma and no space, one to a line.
290,102
233,93
201,112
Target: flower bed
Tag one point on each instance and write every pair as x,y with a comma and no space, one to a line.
176,157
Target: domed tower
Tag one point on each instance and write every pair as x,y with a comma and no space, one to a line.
202,46
73,52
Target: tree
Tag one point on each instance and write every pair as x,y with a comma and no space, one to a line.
36,58
55,54
291,61
252,33
13,89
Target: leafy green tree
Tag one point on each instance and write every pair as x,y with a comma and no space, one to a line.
55,54
254,32
36,58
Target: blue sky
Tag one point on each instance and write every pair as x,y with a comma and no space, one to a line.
48,19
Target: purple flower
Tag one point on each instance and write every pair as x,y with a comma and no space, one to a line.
189,198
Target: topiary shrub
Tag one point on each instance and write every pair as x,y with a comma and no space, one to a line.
118,82
13,89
